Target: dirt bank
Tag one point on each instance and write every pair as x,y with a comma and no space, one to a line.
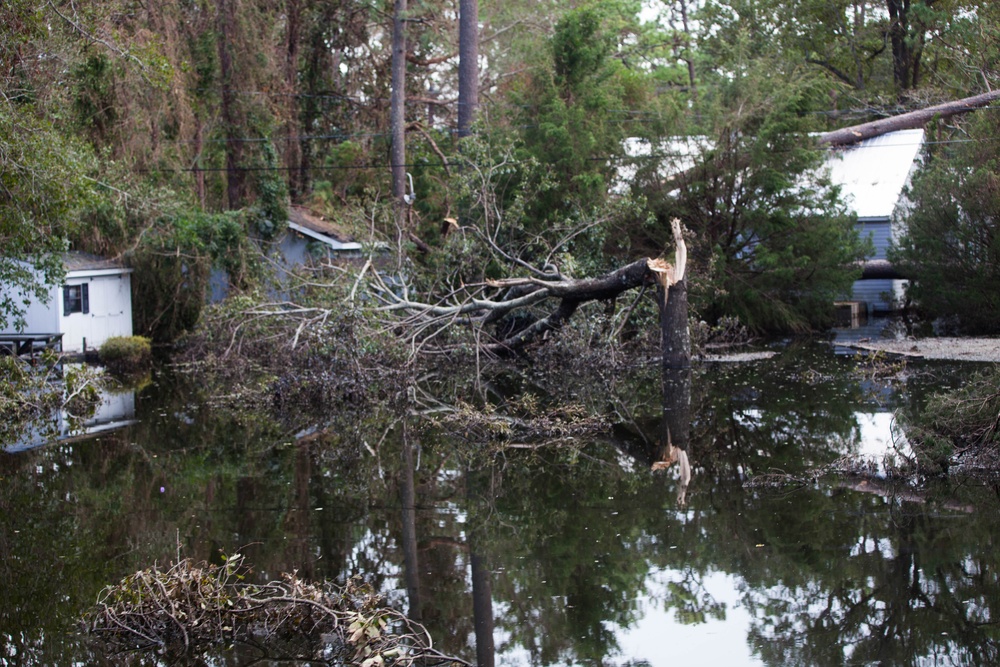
954,349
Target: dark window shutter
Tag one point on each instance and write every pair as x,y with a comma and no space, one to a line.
85,296
66,300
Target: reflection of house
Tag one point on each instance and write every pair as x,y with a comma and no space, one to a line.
115,411
873,176
93,304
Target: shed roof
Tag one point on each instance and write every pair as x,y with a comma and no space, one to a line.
301,220
84,262
873,173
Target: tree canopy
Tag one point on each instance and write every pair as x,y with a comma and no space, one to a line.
121,123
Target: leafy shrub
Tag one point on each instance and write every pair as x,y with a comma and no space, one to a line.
126,354
958,424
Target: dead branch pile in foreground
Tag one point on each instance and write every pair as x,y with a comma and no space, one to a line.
196,606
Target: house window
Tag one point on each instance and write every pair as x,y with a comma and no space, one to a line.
76,299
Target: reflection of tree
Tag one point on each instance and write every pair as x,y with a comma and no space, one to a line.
562,543
903,589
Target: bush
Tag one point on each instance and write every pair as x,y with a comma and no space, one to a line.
126,354
959,425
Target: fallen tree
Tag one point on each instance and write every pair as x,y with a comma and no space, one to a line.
906,121
473,305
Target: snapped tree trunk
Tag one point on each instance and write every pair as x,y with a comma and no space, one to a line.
569,293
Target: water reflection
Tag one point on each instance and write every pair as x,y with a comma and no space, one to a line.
553,556
114,408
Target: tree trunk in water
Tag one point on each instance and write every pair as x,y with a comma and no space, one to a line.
397,112
482,610
468,64
408,498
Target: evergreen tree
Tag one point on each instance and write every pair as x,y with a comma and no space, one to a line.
951,248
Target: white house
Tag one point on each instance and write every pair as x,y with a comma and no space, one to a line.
873,176
93,304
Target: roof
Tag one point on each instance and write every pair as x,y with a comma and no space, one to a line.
873,173
83,262
304,222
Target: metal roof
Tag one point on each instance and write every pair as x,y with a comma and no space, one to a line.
873,173
321,230
86,263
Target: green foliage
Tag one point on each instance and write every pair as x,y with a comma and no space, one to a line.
174,262
872,52
127,354
963,420
94,102
951,245
575,118
43,182
772,244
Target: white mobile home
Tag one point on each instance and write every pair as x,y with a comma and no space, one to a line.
93,304
873,176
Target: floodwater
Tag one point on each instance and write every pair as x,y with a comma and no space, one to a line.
572,553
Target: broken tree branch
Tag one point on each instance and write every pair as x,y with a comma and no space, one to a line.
906,121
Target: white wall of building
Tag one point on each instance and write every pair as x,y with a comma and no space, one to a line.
110,311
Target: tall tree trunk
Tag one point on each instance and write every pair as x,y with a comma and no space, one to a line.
230,111
468,64
199,173
293,151
397,112
906,36
687,46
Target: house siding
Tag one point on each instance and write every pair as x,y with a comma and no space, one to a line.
879,295
110,312
880,232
